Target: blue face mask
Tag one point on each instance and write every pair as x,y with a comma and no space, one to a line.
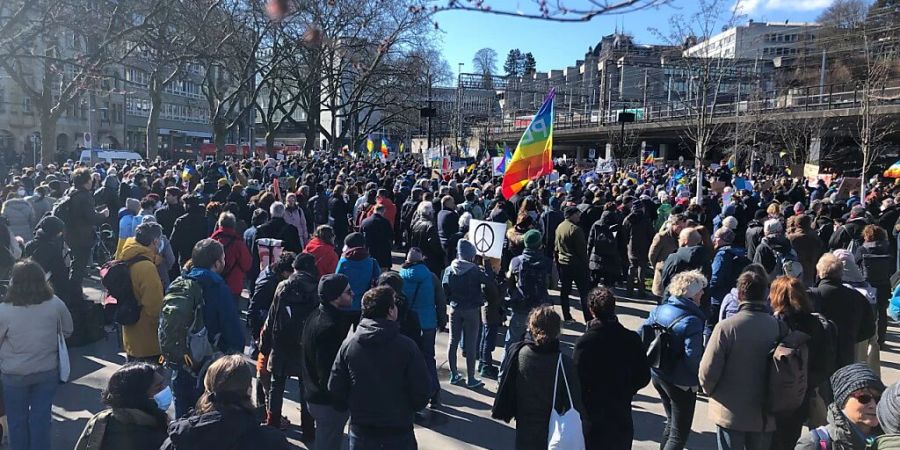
163,398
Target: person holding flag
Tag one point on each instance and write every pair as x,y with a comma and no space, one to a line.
532,158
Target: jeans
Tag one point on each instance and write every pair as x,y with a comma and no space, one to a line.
515,330
329,426
361,441
742,440
679,405
428,352
464,322
186,390
28,401
487,344
568,274
637,272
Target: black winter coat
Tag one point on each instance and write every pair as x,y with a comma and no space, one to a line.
612,367
231,429
851,230
424,235
261,301
850,312
49,253
295,299
187,231
684,259
637,234
603,248
278,228
167,215
82,218
754,237
379,236
324,331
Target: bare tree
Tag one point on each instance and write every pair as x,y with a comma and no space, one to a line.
843,15
707,74
555,11
796,136
485,61
622,140
58,50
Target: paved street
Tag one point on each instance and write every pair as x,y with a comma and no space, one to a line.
462,423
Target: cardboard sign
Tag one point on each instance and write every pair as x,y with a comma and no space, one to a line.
848,185
718,186
488,237
605,166
495,166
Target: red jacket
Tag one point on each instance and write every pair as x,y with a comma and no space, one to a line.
326,258
390,210
237,258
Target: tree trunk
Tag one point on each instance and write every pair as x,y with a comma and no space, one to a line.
48,138
219,132
153,124
698,166
270,142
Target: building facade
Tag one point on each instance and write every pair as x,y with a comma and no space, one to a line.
765,40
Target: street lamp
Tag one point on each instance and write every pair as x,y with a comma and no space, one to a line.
35,140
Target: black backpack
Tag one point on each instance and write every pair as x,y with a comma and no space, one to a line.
530,288
662,346
62,209
116,279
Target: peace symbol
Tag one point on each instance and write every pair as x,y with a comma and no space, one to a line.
484,238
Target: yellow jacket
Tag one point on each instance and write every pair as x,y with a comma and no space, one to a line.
141,339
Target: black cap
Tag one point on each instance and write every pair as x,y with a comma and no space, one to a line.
331,286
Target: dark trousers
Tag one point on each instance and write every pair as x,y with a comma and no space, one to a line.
568,274
276,400
679,405
186,390
789,426
81,261
637,273
360,440
609,429
487,344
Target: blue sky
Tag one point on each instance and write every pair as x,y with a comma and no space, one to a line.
557,45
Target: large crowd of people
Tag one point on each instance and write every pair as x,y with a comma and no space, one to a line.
774,295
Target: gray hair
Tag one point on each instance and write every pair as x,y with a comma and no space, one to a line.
276,210
684,283
773,227
227,220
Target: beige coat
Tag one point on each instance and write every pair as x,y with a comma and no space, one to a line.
733,367
664,244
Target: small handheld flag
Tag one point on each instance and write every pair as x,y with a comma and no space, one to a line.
384,147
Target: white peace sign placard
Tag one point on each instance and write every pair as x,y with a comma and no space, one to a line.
487,237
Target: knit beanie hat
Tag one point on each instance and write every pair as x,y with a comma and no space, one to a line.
132,204
305,262
331,286
466,250
852,378
354,240
888,410
414,255
532,239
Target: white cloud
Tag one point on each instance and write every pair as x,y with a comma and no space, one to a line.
755,6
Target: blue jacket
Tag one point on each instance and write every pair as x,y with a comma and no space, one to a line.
725,272
690,329
418,288
363,272
219,310
462,283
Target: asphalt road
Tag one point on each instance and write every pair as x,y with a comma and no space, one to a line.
463,422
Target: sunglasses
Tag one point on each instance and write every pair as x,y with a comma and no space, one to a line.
866,398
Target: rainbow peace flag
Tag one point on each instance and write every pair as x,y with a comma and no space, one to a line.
649,160
384,147
532,158
893,171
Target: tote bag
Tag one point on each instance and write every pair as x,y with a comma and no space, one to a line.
565,432
63,355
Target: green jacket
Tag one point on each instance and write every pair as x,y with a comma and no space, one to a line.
571,245
124,428
886,442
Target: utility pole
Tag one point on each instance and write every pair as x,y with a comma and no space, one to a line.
458,108
822,78
430,110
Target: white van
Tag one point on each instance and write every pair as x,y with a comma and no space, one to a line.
110,156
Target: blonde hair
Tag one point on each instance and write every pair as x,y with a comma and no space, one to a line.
682,282
829,266
544,324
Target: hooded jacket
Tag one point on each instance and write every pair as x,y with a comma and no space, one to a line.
424,235
768,250
462,283
295,298
231,429
324,331
637,233
380,375
529,260
141,340
726,266
326,257
20,217
220,314
187,231
48,249
840,431
237,258
362,270
603,246
849,231
121,428
754,237
418,288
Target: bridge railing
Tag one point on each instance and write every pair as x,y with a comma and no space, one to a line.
832,96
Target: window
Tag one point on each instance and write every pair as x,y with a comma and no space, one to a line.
136,77
26,105
2,100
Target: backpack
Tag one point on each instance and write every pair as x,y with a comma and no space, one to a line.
530,288
183,337
787,371
821,437
662,346
116,278
831,346
856,244
62,209
268,251
786,263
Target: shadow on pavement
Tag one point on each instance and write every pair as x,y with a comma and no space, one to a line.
452,421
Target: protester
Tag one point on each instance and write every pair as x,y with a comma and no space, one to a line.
80,218
605,261
691,255
374,368
419,286
188,229
852,418
49,250
278,228
677,384
572,262
728,262
19,215
612,368
736,353
527,390
637,234
360,268
807,244
875,260
379,233
137,398
888,413
140,339
31,321
322,247
224,416
324,331
664,244
463,282
237,255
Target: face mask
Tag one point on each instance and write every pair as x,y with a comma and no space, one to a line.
160,246
163,398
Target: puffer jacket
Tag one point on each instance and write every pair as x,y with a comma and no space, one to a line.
840,432
295,298
689,330
602,246
232,429
418,288
20,217
121,428
462,282
326,257
362,270
237,258
141,339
